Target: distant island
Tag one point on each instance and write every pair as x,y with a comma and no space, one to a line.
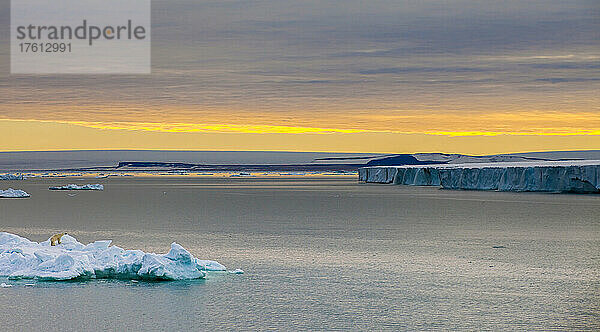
248,161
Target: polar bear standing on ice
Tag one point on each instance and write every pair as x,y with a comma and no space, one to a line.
55,239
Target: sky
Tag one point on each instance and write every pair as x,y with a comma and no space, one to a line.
477,77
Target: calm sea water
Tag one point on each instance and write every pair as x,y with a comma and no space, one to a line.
319,254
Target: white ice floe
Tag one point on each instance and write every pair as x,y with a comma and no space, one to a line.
11,177
13,193
236,271
544,176
5,285
21,258
241,174
76,187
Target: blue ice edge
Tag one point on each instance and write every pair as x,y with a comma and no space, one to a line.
573,176
21,258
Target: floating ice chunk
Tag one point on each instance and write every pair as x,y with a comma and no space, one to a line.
11,177
22,258
13,193
76,187
241,174
237,271
5,285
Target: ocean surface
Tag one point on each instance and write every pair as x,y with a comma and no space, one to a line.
318,254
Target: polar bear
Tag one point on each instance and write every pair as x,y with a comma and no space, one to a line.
55,239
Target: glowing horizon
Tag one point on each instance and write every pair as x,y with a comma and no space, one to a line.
488,124
68,136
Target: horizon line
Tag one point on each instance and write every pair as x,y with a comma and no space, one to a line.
280,151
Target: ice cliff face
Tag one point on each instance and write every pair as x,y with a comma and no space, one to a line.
22,258
571,176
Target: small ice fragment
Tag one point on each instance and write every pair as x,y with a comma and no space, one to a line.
5,285
236,271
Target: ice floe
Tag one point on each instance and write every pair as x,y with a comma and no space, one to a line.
76,187
13,193
21,258
11,177
236,271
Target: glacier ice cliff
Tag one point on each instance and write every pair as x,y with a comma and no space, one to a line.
547,176
21,258
76,187
13,193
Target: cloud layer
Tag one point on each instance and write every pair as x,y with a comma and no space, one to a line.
434,67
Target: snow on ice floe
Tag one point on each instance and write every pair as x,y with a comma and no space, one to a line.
21,258
13,193
76,187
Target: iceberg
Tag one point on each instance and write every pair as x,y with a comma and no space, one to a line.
542,176
13,193
21,258
76,187
11,177
240,174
